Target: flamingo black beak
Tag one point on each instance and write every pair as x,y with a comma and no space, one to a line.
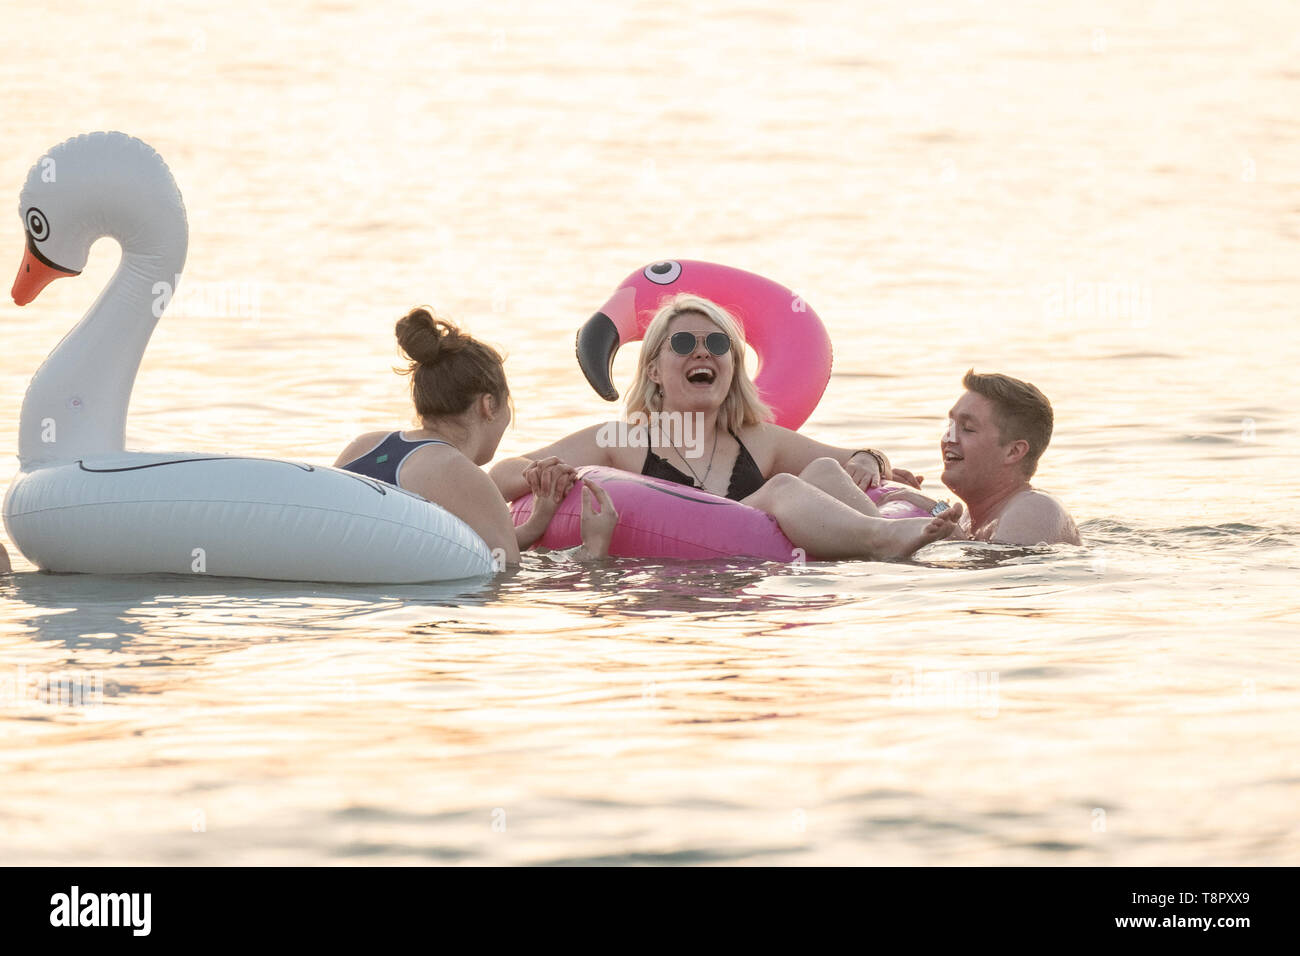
34,274
598,342
600,337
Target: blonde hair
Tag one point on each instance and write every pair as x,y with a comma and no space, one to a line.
741,407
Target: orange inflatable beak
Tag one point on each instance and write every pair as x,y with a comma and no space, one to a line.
34,275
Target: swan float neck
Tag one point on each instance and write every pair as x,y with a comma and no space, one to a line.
86,188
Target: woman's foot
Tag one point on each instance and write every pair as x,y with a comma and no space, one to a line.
901,537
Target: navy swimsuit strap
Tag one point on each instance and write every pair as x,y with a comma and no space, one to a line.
383,461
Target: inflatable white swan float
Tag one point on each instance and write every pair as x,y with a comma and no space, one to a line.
81,502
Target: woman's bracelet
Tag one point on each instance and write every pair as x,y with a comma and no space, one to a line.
877,455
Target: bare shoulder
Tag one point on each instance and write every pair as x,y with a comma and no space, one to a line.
616,444
767,443
359,446
1035,517
446,477
765,435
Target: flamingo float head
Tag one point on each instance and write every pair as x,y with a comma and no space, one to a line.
93,185
792,345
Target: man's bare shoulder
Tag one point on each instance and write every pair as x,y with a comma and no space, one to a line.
1035,517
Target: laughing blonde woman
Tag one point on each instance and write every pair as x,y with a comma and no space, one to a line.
691,370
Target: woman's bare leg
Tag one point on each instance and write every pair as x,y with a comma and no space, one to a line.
829,530
829,475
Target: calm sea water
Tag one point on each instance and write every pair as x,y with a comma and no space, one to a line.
1102,202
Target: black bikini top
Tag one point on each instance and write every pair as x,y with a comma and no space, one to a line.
745,475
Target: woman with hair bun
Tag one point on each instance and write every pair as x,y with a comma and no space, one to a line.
462,400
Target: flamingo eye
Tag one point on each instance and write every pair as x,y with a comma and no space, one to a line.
663,273
37,225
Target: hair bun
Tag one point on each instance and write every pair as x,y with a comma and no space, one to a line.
449,368
425,338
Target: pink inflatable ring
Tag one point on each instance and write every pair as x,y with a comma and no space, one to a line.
662,519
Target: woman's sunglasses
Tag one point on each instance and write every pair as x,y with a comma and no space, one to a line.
683,343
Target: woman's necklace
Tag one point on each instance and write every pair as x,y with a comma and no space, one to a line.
699,482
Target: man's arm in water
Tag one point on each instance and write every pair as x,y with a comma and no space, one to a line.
1035,518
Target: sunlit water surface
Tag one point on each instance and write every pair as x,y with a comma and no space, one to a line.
1105,206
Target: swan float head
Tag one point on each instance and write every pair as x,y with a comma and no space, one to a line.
37,269
792,345
86,188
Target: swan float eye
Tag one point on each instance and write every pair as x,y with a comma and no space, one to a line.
37,225
663,273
